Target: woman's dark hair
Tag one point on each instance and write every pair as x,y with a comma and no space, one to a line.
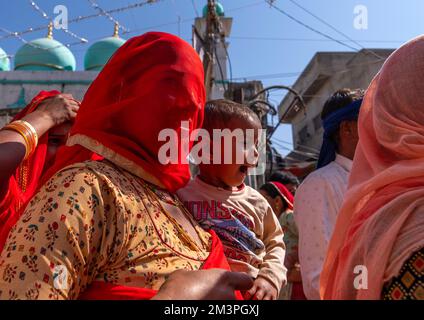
273,192
284,177
340,99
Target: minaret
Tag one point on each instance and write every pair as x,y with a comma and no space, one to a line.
216,75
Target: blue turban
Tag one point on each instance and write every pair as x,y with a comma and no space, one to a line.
331,124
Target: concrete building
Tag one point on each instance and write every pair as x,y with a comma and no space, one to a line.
325,73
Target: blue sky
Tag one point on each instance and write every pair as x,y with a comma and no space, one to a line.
265,44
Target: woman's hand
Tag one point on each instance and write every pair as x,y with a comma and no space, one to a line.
50,113
212,284
59,109
262,290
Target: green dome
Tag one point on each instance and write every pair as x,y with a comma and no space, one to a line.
44,54
4,61
100,52
219,9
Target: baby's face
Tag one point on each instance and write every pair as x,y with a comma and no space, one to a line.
244,154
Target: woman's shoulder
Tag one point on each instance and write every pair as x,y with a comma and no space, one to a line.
90,172
90,166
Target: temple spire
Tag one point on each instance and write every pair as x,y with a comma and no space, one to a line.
50,31
116,32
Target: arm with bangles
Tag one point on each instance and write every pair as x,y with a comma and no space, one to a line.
51,112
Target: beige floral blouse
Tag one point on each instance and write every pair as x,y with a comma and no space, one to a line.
95,221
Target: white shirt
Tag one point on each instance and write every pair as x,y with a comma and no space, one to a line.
316,206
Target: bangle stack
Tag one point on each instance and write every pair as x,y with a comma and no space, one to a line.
27,131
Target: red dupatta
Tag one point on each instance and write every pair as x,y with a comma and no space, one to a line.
24,183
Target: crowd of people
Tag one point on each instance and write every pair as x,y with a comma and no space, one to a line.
87,211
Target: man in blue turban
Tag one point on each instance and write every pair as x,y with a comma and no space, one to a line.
320,196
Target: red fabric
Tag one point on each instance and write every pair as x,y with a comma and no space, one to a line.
100,290
16,197
285,193
297,291
151,83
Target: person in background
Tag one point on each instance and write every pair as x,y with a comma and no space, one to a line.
28,147
320,195
218,198
286,178
281,201
377,248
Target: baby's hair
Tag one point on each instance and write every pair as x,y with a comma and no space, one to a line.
219,112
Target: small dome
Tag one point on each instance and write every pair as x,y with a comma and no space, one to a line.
219,9
44,54
4,61
100,52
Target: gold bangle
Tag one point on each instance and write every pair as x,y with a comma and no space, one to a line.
27,131
20,131
31,129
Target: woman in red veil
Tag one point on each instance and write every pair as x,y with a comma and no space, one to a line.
106,224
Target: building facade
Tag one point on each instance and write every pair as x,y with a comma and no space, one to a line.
326,73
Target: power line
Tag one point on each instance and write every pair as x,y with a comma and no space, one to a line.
306,154
107,15
332,27
253,4
195,8
20,38
220,69
185,20
178,17
309,39
46,16
294,74
313,150
81,18
270,2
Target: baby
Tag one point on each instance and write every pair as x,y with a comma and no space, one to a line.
218,198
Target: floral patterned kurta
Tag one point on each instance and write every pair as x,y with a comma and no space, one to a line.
94,221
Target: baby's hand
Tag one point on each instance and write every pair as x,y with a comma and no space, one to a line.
262,290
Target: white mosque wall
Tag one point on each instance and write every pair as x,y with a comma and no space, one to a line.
17,88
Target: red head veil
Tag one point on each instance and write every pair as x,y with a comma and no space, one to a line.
284,193
153,82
